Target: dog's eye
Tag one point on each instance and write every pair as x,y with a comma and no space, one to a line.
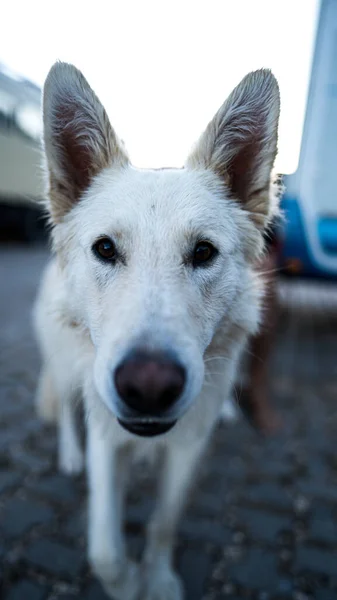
105,249
203,253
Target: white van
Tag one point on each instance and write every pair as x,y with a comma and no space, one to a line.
21,182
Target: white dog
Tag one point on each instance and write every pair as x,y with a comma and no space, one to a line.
147,304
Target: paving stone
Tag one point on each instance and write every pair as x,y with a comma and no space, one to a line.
56,487
275,469
55,558
195,566
47,440
209,503
33,463
262,525
20,515
268,494
26,590
323,529
10,437
12,408
235,469
285,586
76,525
325,594
316,489
317,560
95,592
8,479
257,571
205,529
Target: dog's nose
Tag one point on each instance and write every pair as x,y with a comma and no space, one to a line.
149,383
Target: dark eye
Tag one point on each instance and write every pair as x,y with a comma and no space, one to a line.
105,249
203,253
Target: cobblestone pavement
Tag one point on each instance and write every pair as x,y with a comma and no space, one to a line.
262,522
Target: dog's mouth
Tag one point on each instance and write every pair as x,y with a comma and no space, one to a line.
147,428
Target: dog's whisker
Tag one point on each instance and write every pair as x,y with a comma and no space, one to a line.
209,359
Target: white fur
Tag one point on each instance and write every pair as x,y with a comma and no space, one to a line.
90,314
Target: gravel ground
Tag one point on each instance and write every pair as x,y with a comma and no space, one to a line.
262,522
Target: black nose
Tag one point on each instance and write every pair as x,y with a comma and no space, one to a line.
149,382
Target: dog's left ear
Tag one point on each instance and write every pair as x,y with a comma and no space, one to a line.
240,143
79,141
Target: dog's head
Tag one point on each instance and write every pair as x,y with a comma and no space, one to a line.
156,261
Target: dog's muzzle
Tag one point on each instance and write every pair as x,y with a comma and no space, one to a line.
147,428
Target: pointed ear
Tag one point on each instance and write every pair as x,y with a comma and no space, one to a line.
78,139
240,143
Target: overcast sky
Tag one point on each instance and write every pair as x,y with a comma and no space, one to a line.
162,68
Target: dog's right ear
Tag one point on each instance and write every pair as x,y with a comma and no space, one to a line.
240,144
78,139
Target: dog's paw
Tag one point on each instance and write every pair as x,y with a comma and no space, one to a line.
162,583
71,461
120,579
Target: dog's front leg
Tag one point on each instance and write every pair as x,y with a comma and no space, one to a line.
161,582
107,473
70,455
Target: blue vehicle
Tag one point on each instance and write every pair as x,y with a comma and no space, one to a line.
296,255
309,246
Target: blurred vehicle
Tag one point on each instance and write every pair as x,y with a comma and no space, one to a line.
21,182
310,202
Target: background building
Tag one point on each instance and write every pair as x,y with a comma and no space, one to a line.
21,182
